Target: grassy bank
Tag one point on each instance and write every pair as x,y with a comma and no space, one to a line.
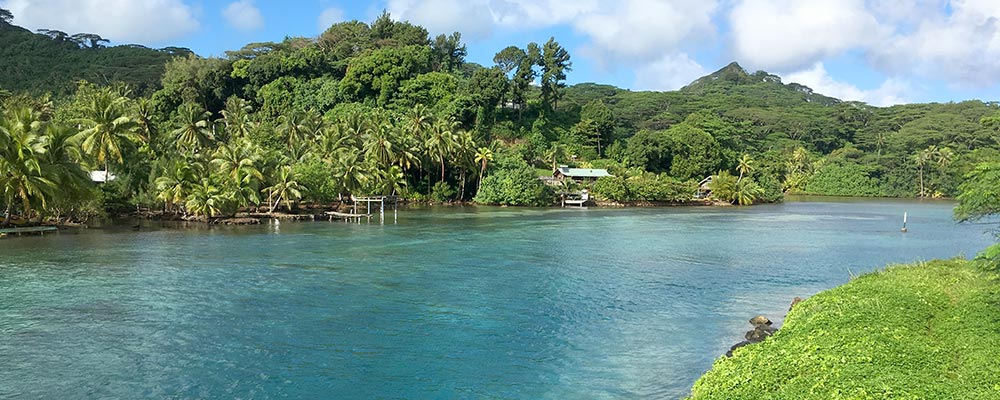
921,331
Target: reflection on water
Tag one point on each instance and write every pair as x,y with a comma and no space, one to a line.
448,303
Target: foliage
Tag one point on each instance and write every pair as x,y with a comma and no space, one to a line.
382,108
980,194
915,331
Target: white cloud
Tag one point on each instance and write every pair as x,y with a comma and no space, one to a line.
643,30
891,91
122,21
243,15
789,34
962,48
670,72
470,17
329,17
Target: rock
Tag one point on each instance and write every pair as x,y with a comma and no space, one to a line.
760,333
760,320
736,346
795,301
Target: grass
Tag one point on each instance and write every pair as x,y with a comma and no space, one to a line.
920,331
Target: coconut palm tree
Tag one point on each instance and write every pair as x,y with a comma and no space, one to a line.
285,187
236,117
556,153
440,143
108,129
22,177
237,163
745,166
483,156
193,129
349,171
921,159
176,183
206,199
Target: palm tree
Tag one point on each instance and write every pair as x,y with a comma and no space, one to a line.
556,153
192,130
379,146
349,171
206,199
745,165
921,159
292,127
108,127
236,117
440,143
21,174
483,156
285,188
175,185
746,192
237,163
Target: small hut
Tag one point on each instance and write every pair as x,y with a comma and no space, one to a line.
582,175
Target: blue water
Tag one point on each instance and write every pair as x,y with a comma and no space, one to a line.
446,303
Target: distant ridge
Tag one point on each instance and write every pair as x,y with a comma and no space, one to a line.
733,78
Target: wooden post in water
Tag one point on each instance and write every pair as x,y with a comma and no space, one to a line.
904,223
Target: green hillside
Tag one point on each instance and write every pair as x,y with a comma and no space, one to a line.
924,331
37,63
382,107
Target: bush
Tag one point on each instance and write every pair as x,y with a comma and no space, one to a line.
514,187
612,188
442,192
843,179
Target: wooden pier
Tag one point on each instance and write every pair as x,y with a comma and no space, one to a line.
576,199
372,204
34,230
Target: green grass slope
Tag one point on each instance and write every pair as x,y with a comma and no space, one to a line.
923,331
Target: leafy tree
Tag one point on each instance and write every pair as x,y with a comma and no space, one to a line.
6,16
602,120
379,74
285,188
108,130
483,156
193,130
449,52
555,63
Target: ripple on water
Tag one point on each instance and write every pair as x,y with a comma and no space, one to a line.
453,303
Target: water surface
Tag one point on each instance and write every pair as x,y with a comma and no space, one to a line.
446,303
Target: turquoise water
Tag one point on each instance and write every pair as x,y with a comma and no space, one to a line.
447,303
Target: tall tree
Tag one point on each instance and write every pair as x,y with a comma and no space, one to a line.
6,16
192,129
107,126
449,52
555,63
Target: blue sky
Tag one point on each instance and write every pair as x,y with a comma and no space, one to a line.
878,51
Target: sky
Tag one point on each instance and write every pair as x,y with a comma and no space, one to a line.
882,52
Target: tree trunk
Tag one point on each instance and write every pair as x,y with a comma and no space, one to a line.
921,173
442,169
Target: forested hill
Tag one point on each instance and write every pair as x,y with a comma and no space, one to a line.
53,61
385,108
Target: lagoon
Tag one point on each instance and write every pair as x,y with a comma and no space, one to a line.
466,302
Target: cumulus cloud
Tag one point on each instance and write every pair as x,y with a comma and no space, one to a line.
471,18
669,72
643,30
962,48
788,35
891,91
329,17
243,15
122,21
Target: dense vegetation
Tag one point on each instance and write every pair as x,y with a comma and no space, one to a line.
927,331
382,108
51,61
